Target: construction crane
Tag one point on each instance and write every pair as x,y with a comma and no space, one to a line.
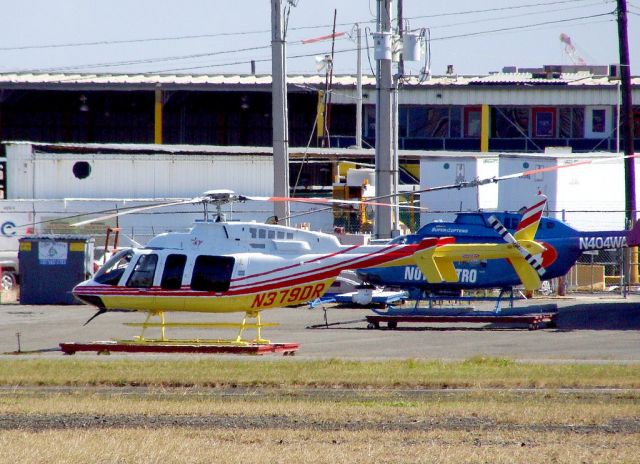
570,50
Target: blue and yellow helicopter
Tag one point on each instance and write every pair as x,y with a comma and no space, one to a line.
563,246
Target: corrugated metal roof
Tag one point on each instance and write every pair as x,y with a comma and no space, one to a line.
294,152
150,80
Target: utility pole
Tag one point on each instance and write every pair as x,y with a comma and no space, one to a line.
627,128
279,113
359,88
384,109
627,132
400,32
627,111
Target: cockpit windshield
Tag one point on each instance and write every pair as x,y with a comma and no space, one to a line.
112,271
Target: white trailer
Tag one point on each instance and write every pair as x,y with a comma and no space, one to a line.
447,168
588,196
44,184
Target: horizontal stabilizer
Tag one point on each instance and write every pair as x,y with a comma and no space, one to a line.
479,251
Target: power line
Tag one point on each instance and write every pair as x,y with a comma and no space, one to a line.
503,29
528,26
255,32
261,60
211,54
501,18
147,60
491,10
151,60
155,60
130,41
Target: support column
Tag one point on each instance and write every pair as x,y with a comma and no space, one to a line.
157,127
484,129
320,118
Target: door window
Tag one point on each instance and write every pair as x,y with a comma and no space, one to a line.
173,270
212,273
143,272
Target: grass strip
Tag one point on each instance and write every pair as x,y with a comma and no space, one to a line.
477,372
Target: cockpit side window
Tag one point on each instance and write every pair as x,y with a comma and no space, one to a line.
114,268
143,272
173,270
212,273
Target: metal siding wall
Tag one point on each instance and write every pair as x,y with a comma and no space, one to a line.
511,96
576,192
488,194
513,194
433,173
19,173
151,176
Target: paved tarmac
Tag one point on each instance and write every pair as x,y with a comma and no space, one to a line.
589,328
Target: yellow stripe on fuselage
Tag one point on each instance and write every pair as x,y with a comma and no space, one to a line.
212,303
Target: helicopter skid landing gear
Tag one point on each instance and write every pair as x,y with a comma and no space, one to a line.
163,325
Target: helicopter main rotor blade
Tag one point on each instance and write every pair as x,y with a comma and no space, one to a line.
84,214
332,201
136,210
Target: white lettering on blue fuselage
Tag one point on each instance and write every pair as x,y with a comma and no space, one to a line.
469,276
450,230
602,243
412,273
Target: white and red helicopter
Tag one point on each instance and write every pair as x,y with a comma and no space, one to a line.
224,266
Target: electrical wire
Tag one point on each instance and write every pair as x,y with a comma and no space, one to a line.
265,31
146,60
368,48
366,39
492,10
152,60
501,18
211,54
131,41
526,26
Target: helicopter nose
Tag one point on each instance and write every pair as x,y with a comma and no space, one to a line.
82,293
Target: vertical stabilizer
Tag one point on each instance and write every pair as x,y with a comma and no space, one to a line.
530,221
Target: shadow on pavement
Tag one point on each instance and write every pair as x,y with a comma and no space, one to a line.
600,316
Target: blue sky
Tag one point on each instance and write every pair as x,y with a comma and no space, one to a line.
212,36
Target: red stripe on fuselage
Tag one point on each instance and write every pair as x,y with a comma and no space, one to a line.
336,267
284,268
